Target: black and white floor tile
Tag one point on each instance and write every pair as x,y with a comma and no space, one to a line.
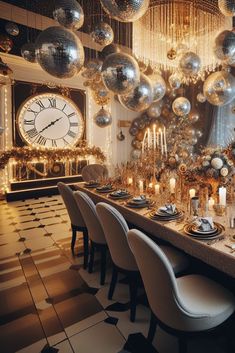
49,303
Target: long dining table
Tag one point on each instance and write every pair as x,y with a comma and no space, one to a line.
214,253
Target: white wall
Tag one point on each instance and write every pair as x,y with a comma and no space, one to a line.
105,138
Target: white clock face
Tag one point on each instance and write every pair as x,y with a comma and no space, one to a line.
51,121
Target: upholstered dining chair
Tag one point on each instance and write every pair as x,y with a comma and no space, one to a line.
76,219
183,306
115,230
94,172
96,234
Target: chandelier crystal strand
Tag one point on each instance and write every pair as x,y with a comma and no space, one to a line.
171,27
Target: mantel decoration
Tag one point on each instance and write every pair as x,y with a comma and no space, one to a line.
24,155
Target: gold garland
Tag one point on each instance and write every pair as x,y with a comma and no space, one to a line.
24,155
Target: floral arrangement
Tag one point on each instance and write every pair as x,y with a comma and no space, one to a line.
24,155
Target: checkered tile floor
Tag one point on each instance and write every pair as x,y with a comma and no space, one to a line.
49,303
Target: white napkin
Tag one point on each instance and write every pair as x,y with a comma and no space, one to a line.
170,209
120,192
204,223
139,198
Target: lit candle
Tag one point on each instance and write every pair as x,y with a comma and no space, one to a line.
141,186
129,181
150,185
172,185
192,193
222,196
161,140
211,203
148,137
157,189
157,138
164,139
154,137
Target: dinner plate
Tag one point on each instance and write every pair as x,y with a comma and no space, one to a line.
104,191
116,197
202,236
165,214
91,186
138,205
165,219
196,230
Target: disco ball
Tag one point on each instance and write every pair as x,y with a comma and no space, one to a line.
219,88
103,118
120,73
201,98
125,10
12,29
181,106
69,14
28,52
159,87
6,43
175,81
227,7
59,52
102,34
135,154
154,111
108,50
225,46
190,64
193,117
140,97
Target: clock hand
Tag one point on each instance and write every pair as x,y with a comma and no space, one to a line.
52,123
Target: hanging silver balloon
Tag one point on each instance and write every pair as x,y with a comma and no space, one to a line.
135,154
193,116
227,7
103,118
125,10
108,50
219,88
102,34
159,87
181,106
69,14
140,97
12,29
28,52
120,73
201,98
190,64
175,81
59,52
225,46
155,109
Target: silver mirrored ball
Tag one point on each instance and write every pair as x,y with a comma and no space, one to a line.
69,14
102,34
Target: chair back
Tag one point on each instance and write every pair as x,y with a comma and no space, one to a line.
94,172
88,210
158,278
74,213
115,230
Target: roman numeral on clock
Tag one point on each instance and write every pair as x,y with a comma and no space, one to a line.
41,140
32,133
52,102
40,104
73,124
32,111
53,143
71,134
28,122
71,114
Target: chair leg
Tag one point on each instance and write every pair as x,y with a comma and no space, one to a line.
92,255
103,265
113,282
152,328
74,235
86,248
133,285
182,345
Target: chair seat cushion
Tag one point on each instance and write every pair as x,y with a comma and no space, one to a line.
179,261
205,300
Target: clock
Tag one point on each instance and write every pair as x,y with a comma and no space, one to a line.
50,120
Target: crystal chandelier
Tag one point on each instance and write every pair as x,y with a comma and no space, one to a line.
172,27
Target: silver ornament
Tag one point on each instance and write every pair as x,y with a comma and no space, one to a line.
175,81
69,14
121,136
201,98
225,46
193,140
190,64
12,29
59,52
181,106
108,50
199,133
140,97
120,73
133,130
135,154
91,68
154,111
159,87
28,52
227,7
125,10
102,34
193,117
219,88
103,118
190,132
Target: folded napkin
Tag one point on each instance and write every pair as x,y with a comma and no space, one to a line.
204,223
120,192
105,187
170,209
140,198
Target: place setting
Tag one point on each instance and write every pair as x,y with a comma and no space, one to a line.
105,189
92,184
139,202
120,194
204,228
167,213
